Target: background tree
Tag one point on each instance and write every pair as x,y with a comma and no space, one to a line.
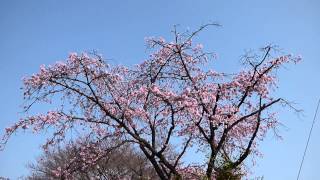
171,98
120,161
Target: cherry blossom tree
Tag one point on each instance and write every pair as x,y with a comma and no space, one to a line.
171,102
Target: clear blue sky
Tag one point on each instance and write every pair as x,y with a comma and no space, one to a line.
41,32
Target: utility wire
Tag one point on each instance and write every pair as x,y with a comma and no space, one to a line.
305,150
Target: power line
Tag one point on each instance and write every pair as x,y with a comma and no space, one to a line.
305,150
